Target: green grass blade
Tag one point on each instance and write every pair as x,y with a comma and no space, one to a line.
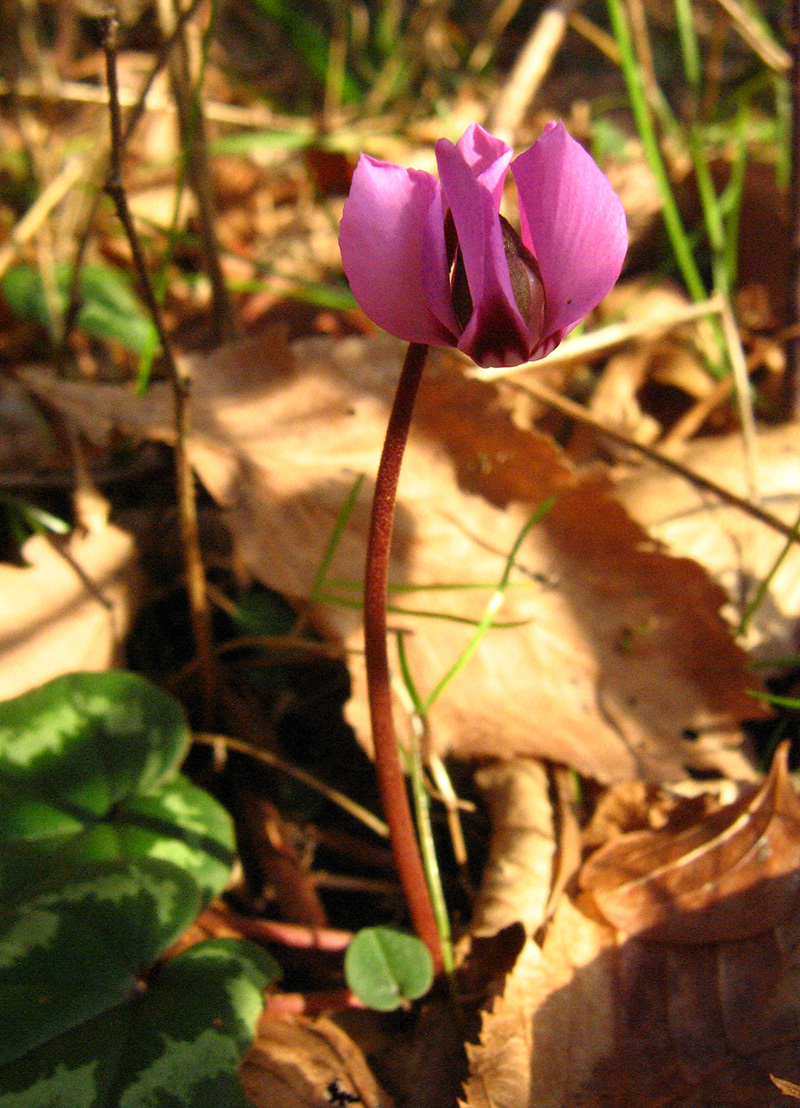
333,542
644,123
492,607
690,51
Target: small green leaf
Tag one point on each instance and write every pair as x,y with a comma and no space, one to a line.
109,308
386,969
179,1043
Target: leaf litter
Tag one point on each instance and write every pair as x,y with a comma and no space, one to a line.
280,443
613,657
666,980
620,649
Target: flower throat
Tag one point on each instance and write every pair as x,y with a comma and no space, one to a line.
523,269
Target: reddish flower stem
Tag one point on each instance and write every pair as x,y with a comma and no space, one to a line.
391,781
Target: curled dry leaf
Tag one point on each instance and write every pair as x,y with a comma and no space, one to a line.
294,1063
728,877
517,879
598,1016
68,609
619,649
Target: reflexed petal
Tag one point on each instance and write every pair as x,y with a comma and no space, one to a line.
496,333
383,242
573,222
488,158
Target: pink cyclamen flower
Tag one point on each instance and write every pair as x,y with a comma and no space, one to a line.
435,262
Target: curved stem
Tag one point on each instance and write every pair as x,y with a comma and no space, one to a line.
391,781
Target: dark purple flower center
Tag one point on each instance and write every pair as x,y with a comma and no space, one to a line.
523,269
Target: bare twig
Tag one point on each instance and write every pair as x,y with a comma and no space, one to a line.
530,69
357,811
602,40
187,502
140,106
576,412
150,100
597,343
750,31
184,79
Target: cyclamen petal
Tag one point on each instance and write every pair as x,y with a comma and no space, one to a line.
400,266
489,158
572,221
496,334
385,249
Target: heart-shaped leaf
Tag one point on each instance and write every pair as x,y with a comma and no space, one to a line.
75,949
88,772
106,852
179,1042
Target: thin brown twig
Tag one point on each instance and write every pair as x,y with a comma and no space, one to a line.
751,32
259,754
184,77
576,412
187,501
131,123
594,344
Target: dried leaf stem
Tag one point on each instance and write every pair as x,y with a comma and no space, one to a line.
391,781
138,108
187,502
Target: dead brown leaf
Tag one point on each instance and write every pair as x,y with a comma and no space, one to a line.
67,609
730,876
623,648
294,1061
735,549
596,1017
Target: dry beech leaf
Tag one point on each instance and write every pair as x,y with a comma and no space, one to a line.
66,609
598,1016
788,1088
593,1019
293,1062
676,359
728,877
554,1022
738,551
623,648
